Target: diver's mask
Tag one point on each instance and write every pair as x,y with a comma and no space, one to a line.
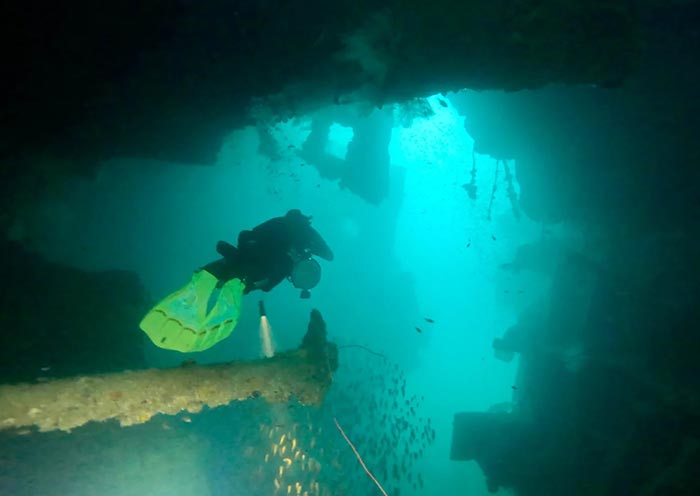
306,273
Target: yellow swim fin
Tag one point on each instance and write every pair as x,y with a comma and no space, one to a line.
181,322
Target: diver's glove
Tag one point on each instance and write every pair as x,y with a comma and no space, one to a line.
317,245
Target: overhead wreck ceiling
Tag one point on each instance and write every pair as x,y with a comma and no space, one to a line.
167,80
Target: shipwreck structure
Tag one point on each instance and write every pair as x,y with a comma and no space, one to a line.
133,397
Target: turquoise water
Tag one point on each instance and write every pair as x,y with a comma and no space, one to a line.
427,251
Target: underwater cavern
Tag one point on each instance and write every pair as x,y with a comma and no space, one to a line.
256,247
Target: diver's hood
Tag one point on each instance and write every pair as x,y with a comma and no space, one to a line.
306,274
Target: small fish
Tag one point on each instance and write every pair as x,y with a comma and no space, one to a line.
514,387
418,329
493,237
45,369
188,363
187,419
442,102
429,320
469,243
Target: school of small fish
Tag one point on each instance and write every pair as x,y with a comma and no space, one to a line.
391,434
301,453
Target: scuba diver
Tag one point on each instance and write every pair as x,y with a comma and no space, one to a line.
206,310
277,249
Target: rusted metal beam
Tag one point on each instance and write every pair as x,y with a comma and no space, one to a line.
134,397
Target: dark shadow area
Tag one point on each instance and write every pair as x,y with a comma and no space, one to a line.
58,321
606,397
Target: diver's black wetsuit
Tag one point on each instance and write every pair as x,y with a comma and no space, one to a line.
266,254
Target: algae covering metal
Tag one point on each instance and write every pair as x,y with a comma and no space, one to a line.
133,397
